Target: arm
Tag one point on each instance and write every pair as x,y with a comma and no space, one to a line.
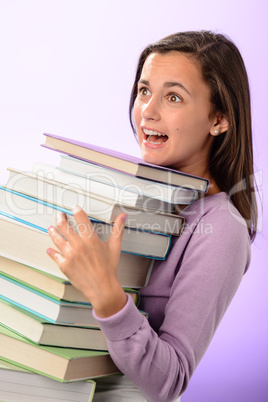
210,271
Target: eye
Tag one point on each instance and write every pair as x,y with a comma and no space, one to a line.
174,98
144,91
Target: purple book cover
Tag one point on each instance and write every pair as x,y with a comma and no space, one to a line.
119,155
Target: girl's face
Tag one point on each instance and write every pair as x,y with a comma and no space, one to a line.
172,113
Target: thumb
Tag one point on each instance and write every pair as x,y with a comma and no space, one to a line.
115,239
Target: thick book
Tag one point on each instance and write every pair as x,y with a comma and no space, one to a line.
27,245
133,276
44,282
40,214
62,364
97,207
20,385
52,309
149,188
97,189
124,163
39,330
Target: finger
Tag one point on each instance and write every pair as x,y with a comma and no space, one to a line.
83,224
65,227
55,255
57,239
115,239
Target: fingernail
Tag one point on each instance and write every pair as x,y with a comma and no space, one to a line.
124,217
59,217
76,209
50,228
49,250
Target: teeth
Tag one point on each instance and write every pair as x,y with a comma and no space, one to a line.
152,142
152,132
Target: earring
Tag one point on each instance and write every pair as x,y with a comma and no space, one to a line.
216,132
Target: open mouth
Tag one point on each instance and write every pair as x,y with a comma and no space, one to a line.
154,137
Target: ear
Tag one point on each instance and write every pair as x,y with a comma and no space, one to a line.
220,125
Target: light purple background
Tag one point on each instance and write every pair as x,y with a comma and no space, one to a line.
67,68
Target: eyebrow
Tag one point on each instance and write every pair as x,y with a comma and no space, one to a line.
167,84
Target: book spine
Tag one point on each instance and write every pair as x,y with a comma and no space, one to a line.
102,228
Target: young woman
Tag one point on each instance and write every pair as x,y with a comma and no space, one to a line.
191,109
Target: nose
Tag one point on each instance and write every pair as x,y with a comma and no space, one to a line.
150,110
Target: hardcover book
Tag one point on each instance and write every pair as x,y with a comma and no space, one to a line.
49,284
27,245
47,307
124,163
130,275
62,364
147,188
66,194
40,215
46,181
39,330
20,385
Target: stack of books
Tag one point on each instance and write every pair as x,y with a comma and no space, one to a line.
48,336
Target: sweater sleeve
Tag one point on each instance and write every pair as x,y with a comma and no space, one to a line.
208,274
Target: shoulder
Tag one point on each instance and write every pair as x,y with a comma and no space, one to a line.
214,227
217,210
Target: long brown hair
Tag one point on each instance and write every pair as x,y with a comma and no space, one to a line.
223,69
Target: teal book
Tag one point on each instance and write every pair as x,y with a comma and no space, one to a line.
25,246
45,306
48,284
43,332
99,200
39,215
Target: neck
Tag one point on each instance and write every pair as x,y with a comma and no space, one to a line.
203,171
213,188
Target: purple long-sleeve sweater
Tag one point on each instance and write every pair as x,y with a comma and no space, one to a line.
186,298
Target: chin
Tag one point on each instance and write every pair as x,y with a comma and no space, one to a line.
149,158
154,160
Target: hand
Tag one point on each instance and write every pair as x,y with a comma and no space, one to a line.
88,262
